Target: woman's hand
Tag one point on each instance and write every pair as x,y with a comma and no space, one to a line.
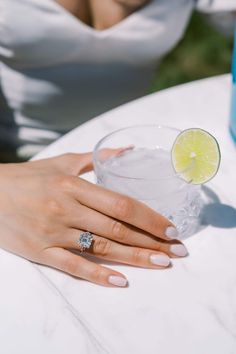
44,207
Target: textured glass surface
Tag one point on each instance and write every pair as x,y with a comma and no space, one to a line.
146,174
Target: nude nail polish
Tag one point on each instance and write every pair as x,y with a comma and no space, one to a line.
159,259
179,250
171,232
117,281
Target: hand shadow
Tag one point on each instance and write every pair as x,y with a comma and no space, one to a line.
216,213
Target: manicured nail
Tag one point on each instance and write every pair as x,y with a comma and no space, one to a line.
159,259
117,281
179,250
171,232
122,150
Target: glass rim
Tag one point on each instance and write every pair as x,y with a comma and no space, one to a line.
96,162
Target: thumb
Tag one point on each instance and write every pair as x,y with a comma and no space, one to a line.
73,163
77,164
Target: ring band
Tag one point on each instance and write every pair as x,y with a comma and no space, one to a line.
85,240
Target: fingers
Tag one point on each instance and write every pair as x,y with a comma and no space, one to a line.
139,257
77,164
123,208
85,161
116,252
104,154
173,249
102,225
82,268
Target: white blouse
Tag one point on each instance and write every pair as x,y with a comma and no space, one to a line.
56,72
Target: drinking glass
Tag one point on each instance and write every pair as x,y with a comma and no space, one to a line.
144,171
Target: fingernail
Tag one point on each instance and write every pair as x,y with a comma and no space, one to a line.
179,250
131,146
117,281
171,232
124,149
159,259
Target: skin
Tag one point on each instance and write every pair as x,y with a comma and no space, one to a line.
102,14
44,207
78,8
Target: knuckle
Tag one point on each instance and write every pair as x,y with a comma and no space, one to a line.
68,156
72,160
137,256
65,182
55,208
96,274
159,247
119,231
45,229
102,247
123,208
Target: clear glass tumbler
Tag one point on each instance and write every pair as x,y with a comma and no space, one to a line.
145,172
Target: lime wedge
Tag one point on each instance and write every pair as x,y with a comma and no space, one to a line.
196,155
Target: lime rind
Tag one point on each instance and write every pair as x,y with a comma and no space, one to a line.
196,155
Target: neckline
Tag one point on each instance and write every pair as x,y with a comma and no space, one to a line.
105,32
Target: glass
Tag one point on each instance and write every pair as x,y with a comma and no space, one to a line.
145,172
233,97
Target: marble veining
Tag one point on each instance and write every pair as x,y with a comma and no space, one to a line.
80,321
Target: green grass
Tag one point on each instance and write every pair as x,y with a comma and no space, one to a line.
202,53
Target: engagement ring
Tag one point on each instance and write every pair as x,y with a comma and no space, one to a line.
85,240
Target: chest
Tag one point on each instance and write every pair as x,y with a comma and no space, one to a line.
80,9
43,33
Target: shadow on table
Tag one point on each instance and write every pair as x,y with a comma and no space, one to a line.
216,213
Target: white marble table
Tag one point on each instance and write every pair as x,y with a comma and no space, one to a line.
188,309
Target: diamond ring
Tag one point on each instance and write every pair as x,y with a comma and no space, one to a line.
85,240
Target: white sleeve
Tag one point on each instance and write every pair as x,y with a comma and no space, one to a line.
216,5
5,51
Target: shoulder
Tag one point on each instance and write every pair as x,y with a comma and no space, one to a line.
21,18
29,27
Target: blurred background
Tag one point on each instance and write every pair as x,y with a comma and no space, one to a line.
206,50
